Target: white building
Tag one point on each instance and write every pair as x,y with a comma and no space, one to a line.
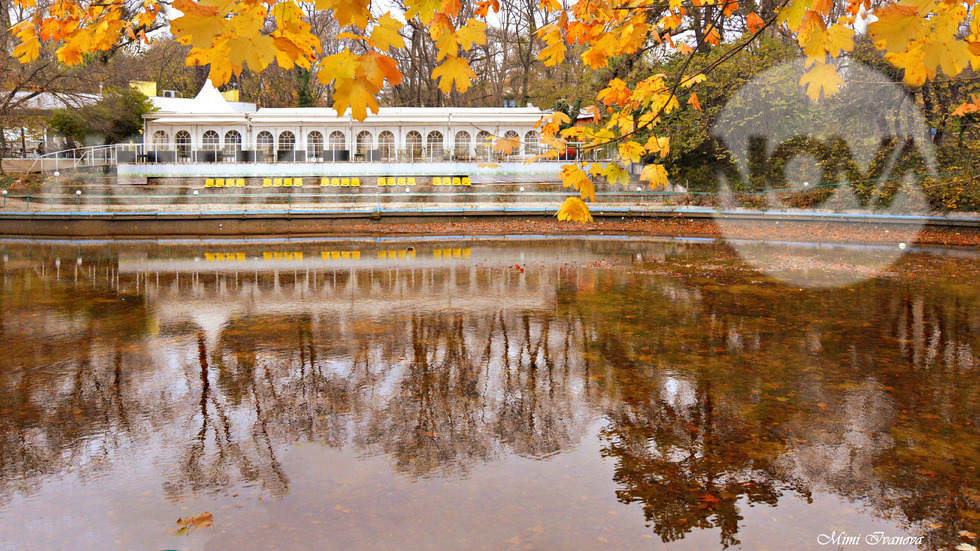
208,128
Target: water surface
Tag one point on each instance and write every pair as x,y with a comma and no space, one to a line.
483,393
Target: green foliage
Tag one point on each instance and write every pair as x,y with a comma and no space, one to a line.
116,118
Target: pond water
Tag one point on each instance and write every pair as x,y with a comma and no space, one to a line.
481,393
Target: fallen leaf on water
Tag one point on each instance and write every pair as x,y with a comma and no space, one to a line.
187,525
965,547
966,534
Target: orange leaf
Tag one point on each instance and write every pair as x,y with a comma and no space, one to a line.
693,101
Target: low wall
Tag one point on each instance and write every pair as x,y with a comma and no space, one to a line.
509,171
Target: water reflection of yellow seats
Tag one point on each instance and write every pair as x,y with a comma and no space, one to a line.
277,182
267,182
209,182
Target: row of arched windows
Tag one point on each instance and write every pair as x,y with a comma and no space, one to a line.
337,141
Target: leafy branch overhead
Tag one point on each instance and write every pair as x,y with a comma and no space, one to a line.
922,38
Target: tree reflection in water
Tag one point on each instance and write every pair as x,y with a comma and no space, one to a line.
716,390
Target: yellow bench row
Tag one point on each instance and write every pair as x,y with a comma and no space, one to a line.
398,253
221,257
340,255
224,182
454,181
282,256
282,182
454,253
340,182
400,181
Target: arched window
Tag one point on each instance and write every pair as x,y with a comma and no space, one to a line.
264,142
160,140
233,142
515,141
386,143
183,141
287,141
413,142
211,141
434,142
365,141
483,142
462,145
314,145
338,141
531,143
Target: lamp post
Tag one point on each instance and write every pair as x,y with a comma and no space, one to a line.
198,199
78,194
4,198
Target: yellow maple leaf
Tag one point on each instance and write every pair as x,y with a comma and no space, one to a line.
661,144
631,152
656,175
754,22
423,9
347,12
340,66
597,56
70,54
574,209
821,78
897,25
29,47
473,32
386,33
574,177
200,23
483,7
951,56
613,173
507,146
356,94
554,51
454,70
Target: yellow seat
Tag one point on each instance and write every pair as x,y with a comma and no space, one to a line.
466,180
209,182
267,182
240,182
335,182
287,182
356,182
411,181
297,182
437,181
220,182
324,182
457,181
381,181
277,182
345,182
401,181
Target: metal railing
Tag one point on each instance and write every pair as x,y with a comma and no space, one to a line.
88,157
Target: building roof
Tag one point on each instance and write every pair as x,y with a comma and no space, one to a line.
210,106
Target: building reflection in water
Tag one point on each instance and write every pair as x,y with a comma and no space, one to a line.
443,356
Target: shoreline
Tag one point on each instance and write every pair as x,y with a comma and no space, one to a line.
147,227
